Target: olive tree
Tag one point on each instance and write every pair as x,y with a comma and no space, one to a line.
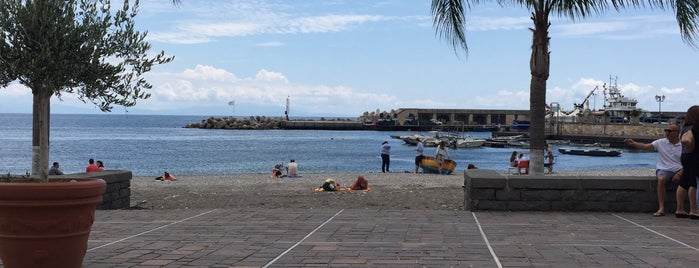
81,47
450,21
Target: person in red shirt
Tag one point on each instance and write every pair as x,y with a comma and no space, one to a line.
92,167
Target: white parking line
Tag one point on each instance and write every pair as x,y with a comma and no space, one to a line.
142,233
304,238
487,243
655,232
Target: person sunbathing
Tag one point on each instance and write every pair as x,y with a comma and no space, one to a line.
330,185
166,177
360,184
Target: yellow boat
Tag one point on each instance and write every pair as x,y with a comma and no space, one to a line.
430,165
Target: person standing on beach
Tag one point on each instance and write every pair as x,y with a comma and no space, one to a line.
418,158
385,156
668,167
690,165
440,155
548,158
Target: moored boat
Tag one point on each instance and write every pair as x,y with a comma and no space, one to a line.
520,125
468,142
430,165
590,152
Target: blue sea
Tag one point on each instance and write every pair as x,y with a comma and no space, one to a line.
148,145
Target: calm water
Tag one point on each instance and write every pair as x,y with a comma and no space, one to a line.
149,145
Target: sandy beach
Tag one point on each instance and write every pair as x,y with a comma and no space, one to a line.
389,190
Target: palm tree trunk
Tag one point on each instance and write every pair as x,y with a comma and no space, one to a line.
539,65
40,134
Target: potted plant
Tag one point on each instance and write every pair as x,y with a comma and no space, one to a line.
52,48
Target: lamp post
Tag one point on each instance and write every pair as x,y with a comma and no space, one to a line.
659,99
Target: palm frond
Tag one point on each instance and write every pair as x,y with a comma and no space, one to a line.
688,19
449,19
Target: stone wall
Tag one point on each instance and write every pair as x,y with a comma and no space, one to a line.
118,193
490,190
624,130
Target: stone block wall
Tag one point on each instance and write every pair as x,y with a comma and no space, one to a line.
624,130
118,193
490,190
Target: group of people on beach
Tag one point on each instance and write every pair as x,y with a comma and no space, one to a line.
330,185
92,166
521,162
440,156
292,170
678,162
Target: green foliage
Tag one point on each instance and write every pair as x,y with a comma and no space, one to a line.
73,46
76,46
7,178
12,178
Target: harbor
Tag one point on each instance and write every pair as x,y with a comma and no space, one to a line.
619,118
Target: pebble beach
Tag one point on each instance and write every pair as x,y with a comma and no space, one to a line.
257,190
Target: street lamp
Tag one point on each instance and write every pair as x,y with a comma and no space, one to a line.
659,99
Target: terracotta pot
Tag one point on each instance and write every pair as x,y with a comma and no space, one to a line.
47,224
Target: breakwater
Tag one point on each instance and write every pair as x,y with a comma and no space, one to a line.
263,123
229,122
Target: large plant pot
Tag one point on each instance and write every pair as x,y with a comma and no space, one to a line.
47,224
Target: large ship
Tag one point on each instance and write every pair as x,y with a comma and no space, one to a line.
616,104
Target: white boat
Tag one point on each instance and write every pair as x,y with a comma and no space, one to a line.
432,138
468,142
617,105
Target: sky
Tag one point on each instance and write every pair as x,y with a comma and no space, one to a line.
344,57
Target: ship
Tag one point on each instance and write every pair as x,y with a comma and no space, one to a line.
617,105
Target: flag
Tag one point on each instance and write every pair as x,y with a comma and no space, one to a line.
231,103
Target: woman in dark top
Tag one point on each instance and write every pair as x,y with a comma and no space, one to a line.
687,187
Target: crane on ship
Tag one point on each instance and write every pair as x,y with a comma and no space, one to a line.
585,104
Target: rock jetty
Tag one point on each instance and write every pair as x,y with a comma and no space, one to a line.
253,122
229,122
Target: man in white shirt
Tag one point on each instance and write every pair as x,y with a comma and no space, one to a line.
292,169
668,167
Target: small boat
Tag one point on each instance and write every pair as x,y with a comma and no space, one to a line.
590,152
592,144
429,165
483,128
520,125
468,142
495,143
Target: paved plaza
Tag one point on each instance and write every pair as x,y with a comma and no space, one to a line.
388,238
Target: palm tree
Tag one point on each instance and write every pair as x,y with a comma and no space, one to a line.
450,23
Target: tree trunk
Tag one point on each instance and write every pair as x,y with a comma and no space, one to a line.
539,65
40,134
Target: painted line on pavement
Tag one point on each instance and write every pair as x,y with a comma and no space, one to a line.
151,230
655,232
302,239
487,243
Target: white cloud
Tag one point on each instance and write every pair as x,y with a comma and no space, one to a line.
198,31
480,23
624,28
206,87
271,44
14,90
